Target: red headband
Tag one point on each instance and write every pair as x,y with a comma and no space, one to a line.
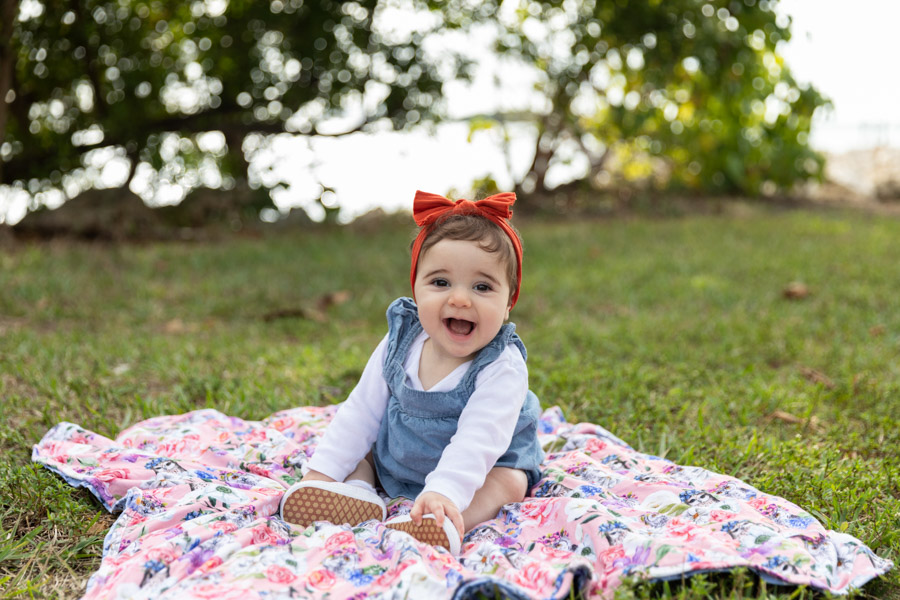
428,209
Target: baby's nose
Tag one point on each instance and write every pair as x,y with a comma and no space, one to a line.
459,297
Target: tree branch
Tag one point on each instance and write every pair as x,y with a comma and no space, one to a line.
90,59
224,119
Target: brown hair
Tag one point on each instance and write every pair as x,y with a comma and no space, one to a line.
475,228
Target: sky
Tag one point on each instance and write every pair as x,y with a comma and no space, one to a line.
851,52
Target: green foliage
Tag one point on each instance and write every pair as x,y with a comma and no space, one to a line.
149,78
698,84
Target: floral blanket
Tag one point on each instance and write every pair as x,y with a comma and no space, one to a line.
199,493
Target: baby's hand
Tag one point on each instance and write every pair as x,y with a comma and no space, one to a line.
438,505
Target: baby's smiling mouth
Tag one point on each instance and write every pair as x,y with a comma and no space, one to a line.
459,326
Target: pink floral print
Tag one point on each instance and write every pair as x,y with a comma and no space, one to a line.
198,495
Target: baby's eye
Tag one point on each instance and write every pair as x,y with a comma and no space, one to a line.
483,287
440,282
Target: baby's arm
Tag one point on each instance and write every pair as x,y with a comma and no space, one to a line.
350,436
483,434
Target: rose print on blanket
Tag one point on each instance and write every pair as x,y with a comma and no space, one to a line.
199,493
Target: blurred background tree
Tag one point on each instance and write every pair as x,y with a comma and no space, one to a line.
179,96
183,93
683,94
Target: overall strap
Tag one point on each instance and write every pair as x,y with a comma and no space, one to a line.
403,328
491,352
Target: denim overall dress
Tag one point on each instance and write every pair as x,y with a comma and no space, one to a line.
418,425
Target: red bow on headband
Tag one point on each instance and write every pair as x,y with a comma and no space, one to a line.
429,208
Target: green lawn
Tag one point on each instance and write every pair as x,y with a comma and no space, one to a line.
674,334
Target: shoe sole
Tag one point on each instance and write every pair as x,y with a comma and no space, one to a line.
428,532
307,505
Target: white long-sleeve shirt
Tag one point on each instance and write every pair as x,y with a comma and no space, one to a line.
483,434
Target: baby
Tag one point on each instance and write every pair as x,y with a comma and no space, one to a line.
442,412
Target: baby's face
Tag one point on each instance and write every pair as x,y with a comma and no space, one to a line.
462,293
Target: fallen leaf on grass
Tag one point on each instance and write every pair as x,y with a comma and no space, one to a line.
174,326
796,290
876,331
100,526
786,417
817,377
294,313
317,314
332,299
813,422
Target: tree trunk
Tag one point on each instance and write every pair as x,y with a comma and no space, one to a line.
529,200
8,12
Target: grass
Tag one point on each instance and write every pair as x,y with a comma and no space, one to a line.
674,334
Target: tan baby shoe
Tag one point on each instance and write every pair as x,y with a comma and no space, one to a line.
429,532
335,502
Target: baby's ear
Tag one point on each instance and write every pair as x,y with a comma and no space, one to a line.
508,308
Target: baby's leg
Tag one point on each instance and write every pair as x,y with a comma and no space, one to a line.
318,497
364,471
501,486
